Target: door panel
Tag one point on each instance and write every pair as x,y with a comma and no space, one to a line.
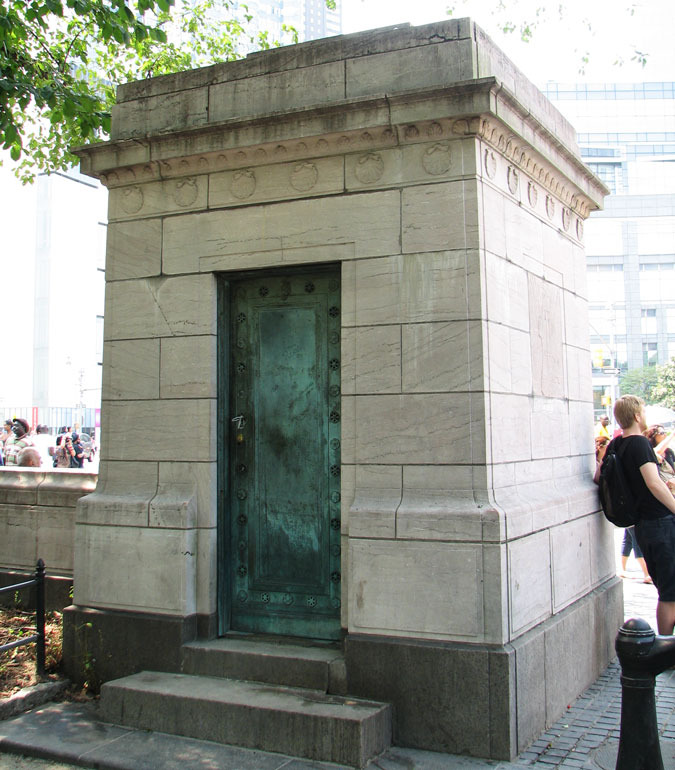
285,455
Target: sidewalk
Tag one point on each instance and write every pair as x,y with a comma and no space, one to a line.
586,736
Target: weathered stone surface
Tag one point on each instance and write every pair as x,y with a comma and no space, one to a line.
376,500
132,370
437,217
529,581
323,229
278,91
372,359
186,367
442,357
403,589
411,288
407,69
134,249
177,111
148,430
387,429
135,568
160,307
290,721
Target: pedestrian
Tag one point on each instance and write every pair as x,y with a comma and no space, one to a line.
77,456
654,502
602,428
17,441
630,544
43,443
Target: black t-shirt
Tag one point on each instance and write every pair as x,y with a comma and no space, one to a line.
634,452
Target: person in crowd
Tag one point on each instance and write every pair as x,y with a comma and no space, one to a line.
602,428
77,460
17,441
661,441
29,457
655,530
6,433
64,453
43,443
630,544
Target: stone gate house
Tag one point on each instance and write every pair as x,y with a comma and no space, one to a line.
346,389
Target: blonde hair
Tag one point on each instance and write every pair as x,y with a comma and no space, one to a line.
626,410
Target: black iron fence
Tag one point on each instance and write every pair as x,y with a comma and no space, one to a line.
39,637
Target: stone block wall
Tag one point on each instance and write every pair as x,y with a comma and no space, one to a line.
37,519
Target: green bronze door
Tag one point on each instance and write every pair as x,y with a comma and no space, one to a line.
284,455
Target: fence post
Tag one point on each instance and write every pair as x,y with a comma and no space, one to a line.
40,616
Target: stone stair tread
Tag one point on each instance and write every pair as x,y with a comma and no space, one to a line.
246,693
294,721
272,649
272,662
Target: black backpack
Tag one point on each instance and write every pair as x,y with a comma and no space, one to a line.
616,498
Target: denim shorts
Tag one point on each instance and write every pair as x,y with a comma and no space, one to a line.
656,538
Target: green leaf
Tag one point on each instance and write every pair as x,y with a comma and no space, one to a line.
15,152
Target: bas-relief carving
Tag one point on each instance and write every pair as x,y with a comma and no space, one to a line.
369,168
529,161
304,176
185,192
157,197
436,159
243,184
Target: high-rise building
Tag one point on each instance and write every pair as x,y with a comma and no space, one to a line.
311,19
53,271
626,134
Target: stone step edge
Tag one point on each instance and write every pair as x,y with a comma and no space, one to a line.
255,661
361,729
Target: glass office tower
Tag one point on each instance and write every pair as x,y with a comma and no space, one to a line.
626,134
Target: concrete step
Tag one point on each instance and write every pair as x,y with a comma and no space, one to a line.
299,722
291,665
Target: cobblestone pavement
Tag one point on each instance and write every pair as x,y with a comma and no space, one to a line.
587,735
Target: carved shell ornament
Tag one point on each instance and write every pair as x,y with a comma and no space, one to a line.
566,219
185,193
132,200
580,230
550,207
512,179
304,177
490,164
436,159
532,193
243,184
369,168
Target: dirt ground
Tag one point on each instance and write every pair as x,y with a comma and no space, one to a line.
17,666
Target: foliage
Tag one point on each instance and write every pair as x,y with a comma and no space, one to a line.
641,382
61,60
664,390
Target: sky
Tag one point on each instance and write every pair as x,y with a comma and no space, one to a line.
605,30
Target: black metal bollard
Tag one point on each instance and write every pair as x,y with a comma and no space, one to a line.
40,616
642,655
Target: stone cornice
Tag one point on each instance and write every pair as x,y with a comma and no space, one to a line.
369,125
